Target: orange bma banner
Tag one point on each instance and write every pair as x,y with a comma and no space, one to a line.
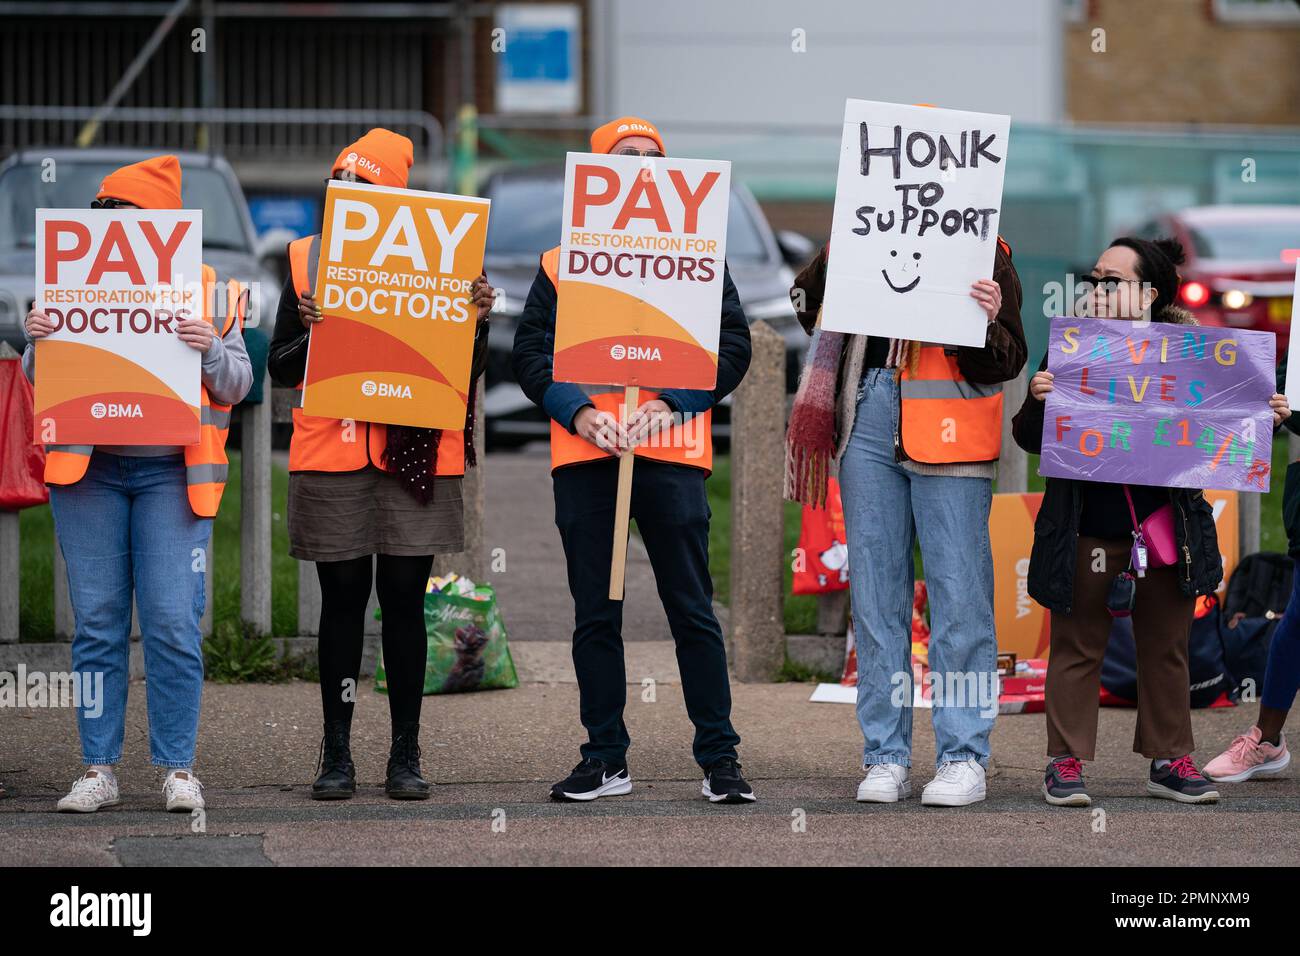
393,285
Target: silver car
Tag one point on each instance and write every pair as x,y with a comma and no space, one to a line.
69,179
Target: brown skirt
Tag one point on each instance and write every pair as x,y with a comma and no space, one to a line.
336,516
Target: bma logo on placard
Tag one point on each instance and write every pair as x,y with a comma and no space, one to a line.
370,388
115,410
636,353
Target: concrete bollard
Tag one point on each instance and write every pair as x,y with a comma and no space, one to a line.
10,573
308,599
1013,463
64,623
255,513
473,561
757,624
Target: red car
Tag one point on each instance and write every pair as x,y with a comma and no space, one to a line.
1241,263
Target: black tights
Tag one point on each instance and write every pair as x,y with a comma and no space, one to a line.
345,591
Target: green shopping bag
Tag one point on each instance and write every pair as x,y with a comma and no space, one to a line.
468,649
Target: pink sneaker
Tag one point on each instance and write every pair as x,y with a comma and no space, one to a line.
1247,757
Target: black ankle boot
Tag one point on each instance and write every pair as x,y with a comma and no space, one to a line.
404,781
338,777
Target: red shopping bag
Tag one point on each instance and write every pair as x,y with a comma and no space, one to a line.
22,464
823,558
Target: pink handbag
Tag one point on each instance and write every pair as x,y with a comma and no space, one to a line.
1156,533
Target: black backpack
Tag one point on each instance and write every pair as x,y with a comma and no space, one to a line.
1210,677
1260,586
1259,589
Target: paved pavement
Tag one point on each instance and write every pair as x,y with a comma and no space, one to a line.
492,756
534,588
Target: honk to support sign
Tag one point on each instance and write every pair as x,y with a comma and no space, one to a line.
641,265
116,283
393,283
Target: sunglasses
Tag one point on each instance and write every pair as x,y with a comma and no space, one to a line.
1107,284
631,151
110,204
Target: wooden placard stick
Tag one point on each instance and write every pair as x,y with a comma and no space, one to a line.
623,506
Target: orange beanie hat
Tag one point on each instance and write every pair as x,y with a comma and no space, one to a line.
605,138
152,184
381,157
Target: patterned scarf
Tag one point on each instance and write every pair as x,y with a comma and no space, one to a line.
412,453
810,439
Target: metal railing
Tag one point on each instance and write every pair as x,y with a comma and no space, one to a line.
268,136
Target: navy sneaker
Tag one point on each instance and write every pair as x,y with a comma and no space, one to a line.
1180,780
593,778
1063,783
724,784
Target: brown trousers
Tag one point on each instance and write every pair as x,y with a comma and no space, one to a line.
1162,622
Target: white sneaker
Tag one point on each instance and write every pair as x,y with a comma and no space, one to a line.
183,792
94,789
958,783
885,783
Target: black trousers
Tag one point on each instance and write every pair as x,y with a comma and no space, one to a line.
672,516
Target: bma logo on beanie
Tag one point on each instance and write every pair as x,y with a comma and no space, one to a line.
356,161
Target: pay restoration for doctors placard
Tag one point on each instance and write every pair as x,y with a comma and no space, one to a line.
116,283
393,284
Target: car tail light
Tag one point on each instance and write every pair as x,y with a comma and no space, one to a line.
1195,294
1236,299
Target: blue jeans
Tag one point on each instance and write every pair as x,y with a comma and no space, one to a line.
126,527
885,508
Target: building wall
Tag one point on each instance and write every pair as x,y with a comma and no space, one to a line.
1177,61
732,60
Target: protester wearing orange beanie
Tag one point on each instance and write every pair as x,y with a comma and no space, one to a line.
128,528
670,507
371,505
151,184
605,139
381,157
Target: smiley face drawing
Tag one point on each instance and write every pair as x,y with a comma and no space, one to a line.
916,259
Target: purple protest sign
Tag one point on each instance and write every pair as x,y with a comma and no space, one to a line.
1152,403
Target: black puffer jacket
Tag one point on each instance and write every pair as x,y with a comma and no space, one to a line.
1056,532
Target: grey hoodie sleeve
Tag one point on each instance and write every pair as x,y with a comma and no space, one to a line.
227,371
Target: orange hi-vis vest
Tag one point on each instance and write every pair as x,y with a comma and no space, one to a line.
332,444
687,442
945,419
206,464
